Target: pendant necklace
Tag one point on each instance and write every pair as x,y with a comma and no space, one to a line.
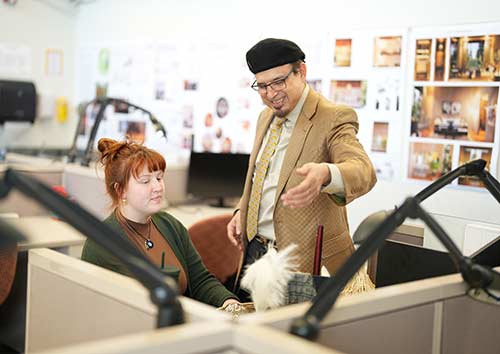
147,240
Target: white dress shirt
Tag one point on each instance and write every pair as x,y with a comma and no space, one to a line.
265,227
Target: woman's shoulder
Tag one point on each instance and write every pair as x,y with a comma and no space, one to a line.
166,217
163,218
171,228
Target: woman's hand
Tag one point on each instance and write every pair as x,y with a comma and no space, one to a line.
230,301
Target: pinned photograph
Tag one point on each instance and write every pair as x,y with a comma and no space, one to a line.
439,59
190,85
457,113
475,58
159,90
470,153
379,138
135,131
221,107
429,161
350,93
423,59
387,51
315,84
342,56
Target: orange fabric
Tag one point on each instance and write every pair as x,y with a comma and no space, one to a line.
8,260
209,236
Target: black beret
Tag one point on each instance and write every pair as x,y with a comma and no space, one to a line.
273,52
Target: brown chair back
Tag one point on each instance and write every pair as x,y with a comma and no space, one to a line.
209,236
8,260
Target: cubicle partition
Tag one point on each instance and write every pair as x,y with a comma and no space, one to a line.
20,205
202,338
427,316
40,232
71,301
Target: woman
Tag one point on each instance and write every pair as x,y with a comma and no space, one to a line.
134,181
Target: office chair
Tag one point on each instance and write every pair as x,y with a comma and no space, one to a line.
8,261
221,258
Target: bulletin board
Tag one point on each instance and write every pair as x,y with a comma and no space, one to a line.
453,90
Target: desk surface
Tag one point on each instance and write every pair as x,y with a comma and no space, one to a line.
190,214
44,231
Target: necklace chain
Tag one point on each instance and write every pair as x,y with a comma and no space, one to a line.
147,240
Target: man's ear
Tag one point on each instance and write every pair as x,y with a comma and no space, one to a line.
303,70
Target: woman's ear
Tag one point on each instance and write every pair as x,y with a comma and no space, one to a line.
119,191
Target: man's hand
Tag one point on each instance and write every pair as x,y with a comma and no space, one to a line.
234,231
315,175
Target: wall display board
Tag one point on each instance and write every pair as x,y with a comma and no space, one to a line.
206,102
453,100
367,73
226,113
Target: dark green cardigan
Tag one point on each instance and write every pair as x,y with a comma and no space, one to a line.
201,285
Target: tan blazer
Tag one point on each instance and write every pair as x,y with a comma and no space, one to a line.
324,132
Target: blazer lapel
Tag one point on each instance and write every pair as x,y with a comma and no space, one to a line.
297,140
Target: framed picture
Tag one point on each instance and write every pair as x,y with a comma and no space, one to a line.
446,107
456,107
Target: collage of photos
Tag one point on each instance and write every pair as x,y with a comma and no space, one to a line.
367,76
465,116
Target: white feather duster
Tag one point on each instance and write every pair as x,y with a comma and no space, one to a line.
267,279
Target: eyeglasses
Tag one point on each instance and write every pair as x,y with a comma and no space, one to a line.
276,85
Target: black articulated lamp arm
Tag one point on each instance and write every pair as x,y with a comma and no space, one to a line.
308,326
9,235
82,109
477,276
103,103
472,168
163,289
87,155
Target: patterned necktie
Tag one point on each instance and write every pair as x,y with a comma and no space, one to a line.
260,175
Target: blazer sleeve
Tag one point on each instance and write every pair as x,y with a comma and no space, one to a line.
347,153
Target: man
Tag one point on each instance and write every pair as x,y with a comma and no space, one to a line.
305,166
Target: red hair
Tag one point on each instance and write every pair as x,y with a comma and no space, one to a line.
122,159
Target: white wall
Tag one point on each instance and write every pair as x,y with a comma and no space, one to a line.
41,25
242,23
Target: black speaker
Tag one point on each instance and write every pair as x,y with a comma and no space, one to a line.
17,101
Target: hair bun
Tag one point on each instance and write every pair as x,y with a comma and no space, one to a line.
105,144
